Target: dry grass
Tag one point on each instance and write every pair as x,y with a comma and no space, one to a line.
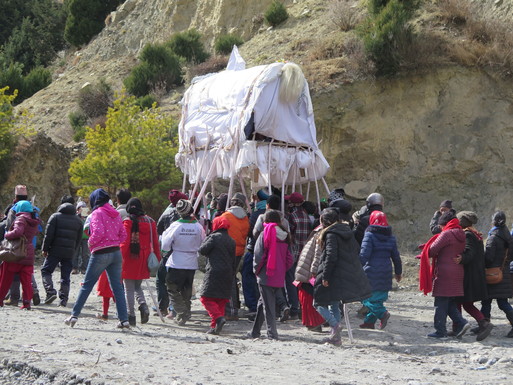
345,14
477,40
213,64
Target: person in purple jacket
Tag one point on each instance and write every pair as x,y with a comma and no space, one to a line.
106,233
272,259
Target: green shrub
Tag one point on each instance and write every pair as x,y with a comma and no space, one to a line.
384,29
146,101
224,43
189,46
276,14
36,80
78,121
33,32
12,77
95,99
86,18
159,68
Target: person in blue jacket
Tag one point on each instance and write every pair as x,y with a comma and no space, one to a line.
378,252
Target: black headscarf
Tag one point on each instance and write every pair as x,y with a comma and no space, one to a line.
98,198
134,208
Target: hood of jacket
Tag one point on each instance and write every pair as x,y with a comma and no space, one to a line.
459,234
503,233
66,208
238,211
341,229
28,217
280,233
383,231
108,210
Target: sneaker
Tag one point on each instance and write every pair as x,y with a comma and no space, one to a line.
212,331
437,335
11,302
36,299
285,315
384,320
123,325
63,303
71,321
293,317
462,330
252,336
50,298
219,324
367,325
145,313
315,329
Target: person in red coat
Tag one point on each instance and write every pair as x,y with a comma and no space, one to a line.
447,275
142,239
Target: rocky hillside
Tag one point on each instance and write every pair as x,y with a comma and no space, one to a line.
418,138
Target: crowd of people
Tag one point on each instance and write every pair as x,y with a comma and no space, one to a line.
295,262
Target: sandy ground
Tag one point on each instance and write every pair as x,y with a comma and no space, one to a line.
37,348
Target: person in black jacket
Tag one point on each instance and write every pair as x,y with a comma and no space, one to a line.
499,247
340,275
62,237
474,281
219,248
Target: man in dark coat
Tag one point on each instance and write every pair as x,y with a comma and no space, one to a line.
375,201
434,226
62,237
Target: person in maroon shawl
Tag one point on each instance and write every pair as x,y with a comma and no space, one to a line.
445,275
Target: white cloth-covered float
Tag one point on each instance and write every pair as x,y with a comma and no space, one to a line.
253,124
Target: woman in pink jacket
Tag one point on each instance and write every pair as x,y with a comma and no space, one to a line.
106,233
271,261
26,224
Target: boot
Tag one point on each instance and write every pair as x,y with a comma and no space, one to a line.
131,320
145,313
509,314
485,327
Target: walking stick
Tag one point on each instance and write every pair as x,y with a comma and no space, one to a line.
348,325
154,301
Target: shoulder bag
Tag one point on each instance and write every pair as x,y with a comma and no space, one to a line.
494,274
13,250
153,262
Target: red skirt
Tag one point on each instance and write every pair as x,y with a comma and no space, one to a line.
310,316
103,287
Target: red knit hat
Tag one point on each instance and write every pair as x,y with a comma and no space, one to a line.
175,195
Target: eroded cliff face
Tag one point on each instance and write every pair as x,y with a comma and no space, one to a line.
420,139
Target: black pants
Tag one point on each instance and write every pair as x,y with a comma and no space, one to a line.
179,287
47,270
162,296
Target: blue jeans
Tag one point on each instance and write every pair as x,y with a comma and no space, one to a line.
330,313
98,263
446,306
486,306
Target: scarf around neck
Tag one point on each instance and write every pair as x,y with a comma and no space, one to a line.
270,246
426,271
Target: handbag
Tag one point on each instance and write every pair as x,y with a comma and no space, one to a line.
13,250
494,274
153,262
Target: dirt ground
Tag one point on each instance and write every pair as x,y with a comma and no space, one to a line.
37,348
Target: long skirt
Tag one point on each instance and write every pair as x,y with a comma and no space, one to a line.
310,316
